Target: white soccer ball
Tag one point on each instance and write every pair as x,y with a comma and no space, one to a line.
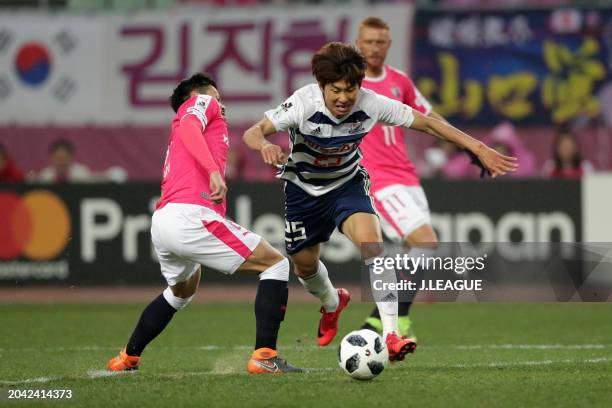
363,354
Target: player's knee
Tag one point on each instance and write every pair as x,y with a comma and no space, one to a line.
305,269
178,299
372,239
422,235
276,257
368,236
265,256
277,271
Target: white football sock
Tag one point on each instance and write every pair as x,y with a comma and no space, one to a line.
386,299
174,301
320,286
278,271
388,317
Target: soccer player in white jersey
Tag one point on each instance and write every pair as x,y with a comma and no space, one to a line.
189,229
398,196
327,188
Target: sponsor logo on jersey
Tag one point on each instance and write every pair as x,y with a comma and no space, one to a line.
356,127
345,148
395,91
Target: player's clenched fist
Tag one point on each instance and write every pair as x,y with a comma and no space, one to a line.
218,189
496,163
272,154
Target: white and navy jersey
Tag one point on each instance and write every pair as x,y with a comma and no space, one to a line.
324,149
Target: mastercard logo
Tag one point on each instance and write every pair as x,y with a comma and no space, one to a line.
35,225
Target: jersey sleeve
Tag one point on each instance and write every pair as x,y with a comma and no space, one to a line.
203,107
414,98
287,115
392,112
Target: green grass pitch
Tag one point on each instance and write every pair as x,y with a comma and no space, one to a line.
472,355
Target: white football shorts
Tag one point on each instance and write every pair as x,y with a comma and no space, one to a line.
186,236
402,209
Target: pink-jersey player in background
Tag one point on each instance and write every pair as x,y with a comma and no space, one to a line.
398,196
189,229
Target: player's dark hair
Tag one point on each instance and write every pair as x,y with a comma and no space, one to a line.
375,22
60,144
336,61
197,82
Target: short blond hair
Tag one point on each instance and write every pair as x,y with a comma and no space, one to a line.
375,22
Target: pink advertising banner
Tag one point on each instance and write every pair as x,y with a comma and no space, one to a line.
119,70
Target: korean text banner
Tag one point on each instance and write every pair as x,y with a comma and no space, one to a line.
529,66
116,70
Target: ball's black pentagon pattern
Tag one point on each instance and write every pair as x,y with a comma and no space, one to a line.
376,367
378,346
356,340
352,363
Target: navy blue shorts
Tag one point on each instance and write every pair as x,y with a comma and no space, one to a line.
311,220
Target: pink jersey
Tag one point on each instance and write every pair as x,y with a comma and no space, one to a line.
384,149
185,181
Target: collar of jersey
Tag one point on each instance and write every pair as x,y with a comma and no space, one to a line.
379,78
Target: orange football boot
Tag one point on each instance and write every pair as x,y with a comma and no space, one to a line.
123,362
266,361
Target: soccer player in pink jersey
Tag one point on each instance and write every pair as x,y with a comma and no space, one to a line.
189,229
398,196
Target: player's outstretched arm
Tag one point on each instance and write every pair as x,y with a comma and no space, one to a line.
255,138
497,164
436,115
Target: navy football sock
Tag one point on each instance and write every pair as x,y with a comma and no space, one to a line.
270,306
403,308
153,320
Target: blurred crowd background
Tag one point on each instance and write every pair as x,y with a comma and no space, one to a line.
139,4
531,78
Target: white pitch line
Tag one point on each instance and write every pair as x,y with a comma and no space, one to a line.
214,347
533,346
27,381
107,373
527,363
95,374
